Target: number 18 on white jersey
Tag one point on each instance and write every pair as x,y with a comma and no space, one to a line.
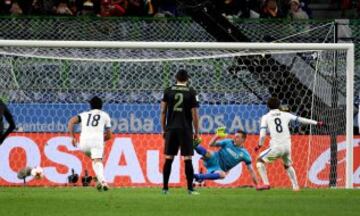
93,124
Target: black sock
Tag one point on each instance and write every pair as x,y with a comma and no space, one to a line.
166,173
189,172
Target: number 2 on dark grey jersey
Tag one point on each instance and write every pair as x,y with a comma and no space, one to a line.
179,98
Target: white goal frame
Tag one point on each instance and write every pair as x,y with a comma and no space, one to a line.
349,47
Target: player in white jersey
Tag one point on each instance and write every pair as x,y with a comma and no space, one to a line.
95,130
277,123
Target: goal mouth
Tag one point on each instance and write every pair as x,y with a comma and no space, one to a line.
45,83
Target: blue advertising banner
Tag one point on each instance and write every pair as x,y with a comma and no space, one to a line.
135,118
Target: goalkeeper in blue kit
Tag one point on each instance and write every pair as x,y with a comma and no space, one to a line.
230,154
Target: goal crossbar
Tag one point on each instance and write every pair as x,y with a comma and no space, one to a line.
174,45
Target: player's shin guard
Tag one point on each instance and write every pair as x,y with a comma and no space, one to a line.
166,173
98,168
292,175
200,150
189,172
262,171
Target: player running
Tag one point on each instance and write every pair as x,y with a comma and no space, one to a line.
277,123
93,125
230,154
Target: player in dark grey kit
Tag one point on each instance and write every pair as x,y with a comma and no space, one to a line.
4,111
180,125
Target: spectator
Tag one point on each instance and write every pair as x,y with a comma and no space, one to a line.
295,10
115,8
49,6
271,10
305,7
151,7
73,7
119,7
15,9
239,8
63,8
105,8
37,7
25,6
87,8
5,6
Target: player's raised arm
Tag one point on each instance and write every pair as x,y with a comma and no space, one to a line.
303,120
213,141
72,122
307,121
219,133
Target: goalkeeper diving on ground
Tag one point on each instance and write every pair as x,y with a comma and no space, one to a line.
230,154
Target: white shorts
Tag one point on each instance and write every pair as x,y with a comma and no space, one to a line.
92,148
271,154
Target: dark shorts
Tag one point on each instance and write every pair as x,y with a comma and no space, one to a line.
179,138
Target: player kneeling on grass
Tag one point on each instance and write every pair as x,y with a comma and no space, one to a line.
230,154
277,123
93,125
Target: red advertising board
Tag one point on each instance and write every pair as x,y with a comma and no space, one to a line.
136,160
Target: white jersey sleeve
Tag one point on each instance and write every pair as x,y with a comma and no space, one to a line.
306,121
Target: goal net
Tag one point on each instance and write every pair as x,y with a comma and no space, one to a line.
45,83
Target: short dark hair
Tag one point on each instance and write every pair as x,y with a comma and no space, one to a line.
273,103
243,133
182,75
96,103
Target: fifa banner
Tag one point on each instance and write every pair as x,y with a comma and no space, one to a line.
137,159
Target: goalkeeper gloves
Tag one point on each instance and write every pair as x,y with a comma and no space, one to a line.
220,132
196,142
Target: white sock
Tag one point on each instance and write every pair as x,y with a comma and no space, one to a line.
99,170
292,175
262,171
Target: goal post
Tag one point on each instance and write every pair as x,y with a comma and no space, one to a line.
54,79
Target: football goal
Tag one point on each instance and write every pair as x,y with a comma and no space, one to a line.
45,83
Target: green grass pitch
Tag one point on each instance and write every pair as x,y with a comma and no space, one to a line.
149,201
